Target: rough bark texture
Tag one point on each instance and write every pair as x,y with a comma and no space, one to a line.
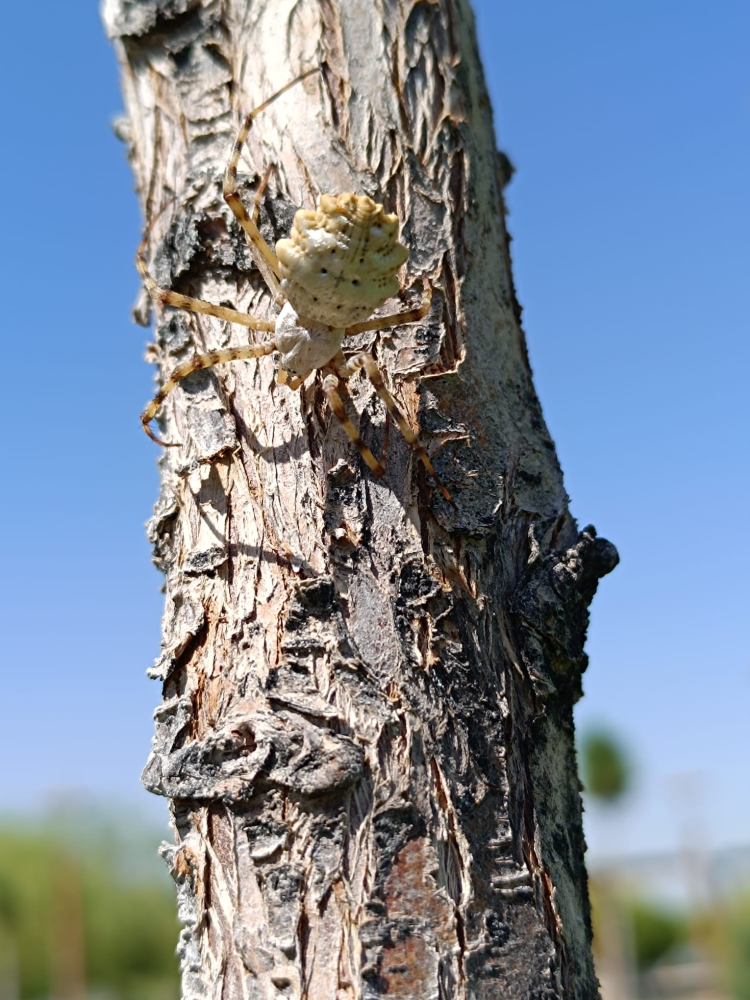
366,731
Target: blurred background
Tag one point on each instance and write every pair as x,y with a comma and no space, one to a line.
628,128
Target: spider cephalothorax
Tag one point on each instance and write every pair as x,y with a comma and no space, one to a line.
339,264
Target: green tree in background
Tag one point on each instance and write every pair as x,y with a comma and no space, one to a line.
81,912
605,766
656,930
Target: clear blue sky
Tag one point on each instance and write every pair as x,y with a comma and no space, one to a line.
628,125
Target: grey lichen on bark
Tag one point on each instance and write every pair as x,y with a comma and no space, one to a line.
366,732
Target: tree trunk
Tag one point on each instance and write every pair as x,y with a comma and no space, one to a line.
366,733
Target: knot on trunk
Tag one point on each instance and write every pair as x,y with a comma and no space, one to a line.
255,750
583,565
552,608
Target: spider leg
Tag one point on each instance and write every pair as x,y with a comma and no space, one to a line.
260,192
292,382
368,363
386,438
395,319
330,388
207,360
343,391
263,255
178,301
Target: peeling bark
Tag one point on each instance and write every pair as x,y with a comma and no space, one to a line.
366,732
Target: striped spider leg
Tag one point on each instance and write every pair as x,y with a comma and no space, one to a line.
264,258
338,266
198,361
343,368
169,298
263,255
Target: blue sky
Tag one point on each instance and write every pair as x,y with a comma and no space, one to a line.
628,125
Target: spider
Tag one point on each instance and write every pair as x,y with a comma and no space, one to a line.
338,266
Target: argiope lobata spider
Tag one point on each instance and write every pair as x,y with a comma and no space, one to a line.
338,266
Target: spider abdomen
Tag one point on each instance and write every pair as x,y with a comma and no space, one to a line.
340,262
